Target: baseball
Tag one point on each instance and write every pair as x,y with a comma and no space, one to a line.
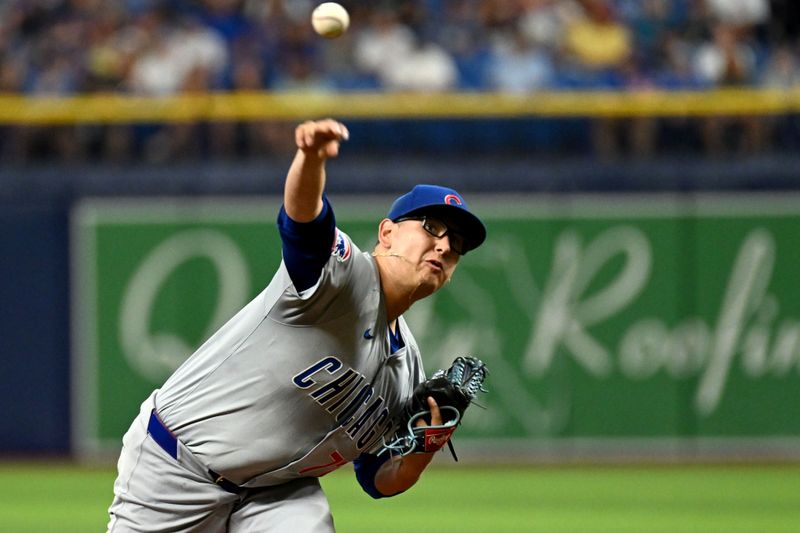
330,20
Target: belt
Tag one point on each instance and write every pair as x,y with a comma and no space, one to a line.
169,443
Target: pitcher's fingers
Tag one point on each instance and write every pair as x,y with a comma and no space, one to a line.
436,414
301,135
332,148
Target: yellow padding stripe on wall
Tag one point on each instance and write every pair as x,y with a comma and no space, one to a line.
118,108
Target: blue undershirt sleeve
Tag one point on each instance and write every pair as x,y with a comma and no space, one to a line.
366,466
307,245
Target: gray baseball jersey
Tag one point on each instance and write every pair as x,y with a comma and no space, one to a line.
295,384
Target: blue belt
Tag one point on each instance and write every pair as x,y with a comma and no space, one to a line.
164,438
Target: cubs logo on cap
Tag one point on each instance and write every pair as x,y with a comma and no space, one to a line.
445,203
452,199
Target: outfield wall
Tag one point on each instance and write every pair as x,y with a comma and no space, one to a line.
47,409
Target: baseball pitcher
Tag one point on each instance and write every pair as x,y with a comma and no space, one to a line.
318,370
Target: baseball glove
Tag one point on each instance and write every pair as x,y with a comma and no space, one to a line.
454,390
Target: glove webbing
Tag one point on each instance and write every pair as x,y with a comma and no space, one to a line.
468,373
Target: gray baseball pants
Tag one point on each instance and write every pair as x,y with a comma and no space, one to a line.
155,492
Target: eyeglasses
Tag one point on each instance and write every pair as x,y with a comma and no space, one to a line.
439,229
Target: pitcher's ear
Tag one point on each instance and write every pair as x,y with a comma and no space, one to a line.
385,233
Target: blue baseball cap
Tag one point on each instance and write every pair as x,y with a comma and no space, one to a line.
444,203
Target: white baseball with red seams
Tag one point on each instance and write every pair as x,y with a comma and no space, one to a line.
330,20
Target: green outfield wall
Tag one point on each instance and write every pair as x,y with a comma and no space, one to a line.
615,319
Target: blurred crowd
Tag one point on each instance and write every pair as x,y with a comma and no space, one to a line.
163,47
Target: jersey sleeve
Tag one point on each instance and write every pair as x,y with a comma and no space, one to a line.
307,245
366,466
